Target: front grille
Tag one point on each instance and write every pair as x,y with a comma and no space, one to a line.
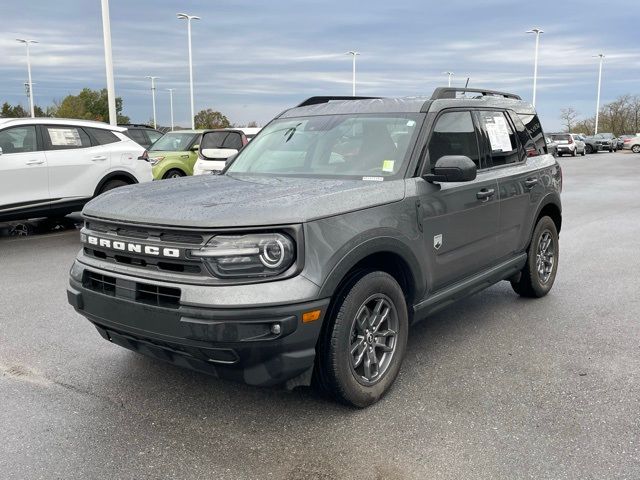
153,236
146,293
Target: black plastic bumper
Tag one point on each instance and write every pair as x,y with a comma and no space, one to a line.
259,346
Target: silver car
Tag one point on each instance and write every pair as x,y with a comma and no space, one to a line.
632,143
569,143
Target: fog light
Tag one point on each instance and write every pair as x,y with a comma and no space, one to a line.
275,329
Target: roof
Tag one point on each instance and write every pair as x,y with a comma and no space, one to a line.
59,121
185,131
441,98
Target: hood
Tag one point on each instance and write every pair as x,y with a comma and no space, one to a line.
209,201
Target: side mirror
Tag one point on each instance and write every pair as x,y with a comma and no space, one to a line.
195,148
452,168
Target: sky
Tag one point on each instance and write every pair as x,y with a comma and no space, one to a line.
253,59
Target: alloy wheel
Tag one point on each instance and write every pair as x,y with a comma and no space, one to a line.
545,256
373,339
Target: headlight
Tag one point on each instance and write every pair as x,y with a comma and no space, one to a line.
252,255
155,160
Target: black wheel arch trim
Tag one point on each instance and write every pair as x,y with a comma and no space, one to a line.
112,176
373,246
552,198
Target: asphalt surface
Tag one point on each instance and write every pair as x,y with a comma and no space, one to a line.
493,387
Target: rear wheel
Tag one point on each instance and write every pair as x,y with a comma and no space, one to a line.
589,149
111,184
635,149
537,277
361,350
174,173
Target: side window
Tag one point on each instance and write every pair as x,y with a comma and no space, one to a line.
233,140
533,126
525,139
63,137
103,137
501,137
18,139
137,136
454,134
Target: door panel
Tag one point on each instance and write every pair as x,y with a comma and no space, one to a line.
459,220
75,166
23,169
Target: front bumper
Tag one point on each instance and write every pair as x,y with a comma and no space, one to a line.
239,343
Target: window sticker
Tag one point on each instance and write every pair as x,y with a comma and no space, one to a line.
65,137
373,179
387,165
498,133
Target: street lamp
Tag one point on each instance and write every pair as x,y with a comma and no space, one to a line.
537,31
450,74
188,18
170,90
108,62
353,73
601,56
27,42
153,97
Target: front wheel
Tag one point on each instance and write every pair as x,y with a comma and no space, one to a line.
574,152
589,149
174,173
538,274
584,151
363,346
635,149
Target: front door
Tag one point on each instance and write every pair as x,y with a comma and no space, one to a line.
24,179
459,220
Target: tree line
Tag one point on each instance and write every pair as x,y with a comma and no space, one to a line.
93,105
620,117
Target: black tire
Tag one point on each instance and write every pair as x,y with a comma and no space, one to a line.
635,149
174,173
610,150
574,152
335,372
111,184
531,283
589,149
584,151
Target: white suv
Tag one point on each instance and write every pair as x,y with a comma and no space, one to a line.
51,166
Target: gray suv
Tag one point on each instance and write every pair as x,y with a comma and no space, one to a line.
345,221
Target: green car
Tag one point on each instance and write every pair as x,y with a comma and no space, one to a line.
174,154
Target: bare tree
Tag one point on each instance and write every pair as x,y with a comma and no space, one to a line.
568,116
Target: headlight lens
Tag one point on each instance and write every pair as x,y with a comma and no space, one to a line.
251,255
155,160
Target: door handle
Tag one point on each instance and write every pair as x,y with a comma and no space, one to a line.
530,182
184,156
485,194
99,158
35,162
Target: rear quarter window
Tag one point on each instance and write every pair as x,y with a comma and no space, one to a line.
534,127
102,137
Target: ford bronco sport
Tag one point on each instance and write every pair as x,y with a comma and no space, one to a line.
342,223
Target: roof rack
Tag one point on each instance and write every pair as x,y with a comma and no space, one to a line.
450,92
134,125
318,100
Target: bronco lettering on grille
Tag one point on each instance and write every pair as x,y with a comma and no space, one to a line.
132,247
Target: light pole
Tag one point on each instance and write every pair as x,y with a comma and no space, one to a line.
153,97
353,72
170,90
27,42
601,56
188,18
450,74
108,62
537,31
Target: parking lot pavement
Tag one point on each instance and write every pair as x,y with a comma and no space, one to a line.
493,387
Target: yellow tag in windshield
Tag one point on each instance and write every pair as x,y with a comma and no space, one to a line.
387,165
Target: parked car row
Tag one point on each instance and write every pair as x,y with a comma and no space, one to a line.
577,144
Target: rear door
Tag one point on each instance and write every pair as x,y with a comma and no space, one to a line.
76,162
512,159
24,177
460,220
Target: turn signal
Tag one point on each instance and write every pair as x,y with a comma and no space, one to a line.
311,316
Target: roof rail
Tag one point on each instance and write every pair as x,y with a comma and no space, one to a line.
450,92
318,100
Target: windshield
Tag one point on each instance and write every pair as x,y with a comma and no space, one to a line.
367,147
173,142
